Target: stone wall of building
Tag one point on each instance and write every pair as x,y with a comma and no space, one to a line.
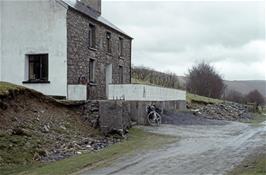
79,54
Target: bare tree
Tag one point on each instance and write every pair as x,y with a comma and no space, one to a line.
155,77
235,96
255,97
204,80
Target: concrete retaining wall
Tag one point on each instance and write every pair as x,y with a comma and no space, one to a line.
139,92
138,108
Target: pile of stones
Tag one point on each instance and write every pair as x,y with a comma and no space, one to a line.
65,150
222,111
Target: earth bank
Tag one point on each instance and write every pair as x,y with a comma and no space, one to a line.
36,128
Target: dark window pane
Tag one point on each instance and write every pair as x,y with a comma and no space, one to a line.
91,70
92,36
121,46
44,67
108,42
121,81
34,67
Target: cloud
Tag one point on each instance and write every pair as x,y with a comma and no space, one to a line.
174,35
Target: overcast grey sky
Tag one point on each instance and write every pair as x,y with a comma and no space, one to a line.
174,35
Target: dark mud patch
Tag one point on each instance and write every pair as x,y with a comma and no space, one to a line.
188,118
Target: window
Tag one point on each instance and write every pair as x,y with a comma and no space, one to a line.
121,75
92,36
92,70
120,46
108,42
38,68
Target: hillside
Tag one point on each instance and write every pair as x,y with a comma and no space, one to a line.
246,86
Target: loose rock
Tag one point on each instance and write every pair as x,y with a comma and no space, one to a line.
222,111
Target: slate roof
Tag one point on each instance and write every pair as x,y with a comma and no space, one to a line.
80,7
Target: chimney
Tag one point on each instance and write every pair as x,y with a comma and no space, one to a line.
94,4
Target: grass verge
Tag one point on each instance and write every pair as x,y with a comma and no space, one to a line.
201,99
254,164
137,140
6,87
137,81
257,120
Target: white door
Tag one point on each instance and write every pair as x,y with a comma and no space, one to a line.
108,77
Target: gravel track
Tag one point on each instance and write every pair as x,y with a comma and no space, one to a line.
205,148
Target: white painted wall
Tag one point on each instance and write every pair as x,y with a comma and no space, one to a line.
138,92
31,27
77,92
1,39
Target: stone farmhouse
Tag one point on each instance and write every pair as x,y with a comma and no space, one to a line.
62,48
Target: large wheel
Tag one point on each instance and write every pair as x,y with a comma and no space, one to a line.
154,118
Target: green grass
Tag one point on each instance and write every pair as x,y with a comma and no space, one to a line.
17,150
137,81
253,165
201,99
257,120
137,140
6,87
145,82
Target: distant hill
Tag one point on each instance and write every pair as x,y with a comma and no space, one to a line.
246,86
243,87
